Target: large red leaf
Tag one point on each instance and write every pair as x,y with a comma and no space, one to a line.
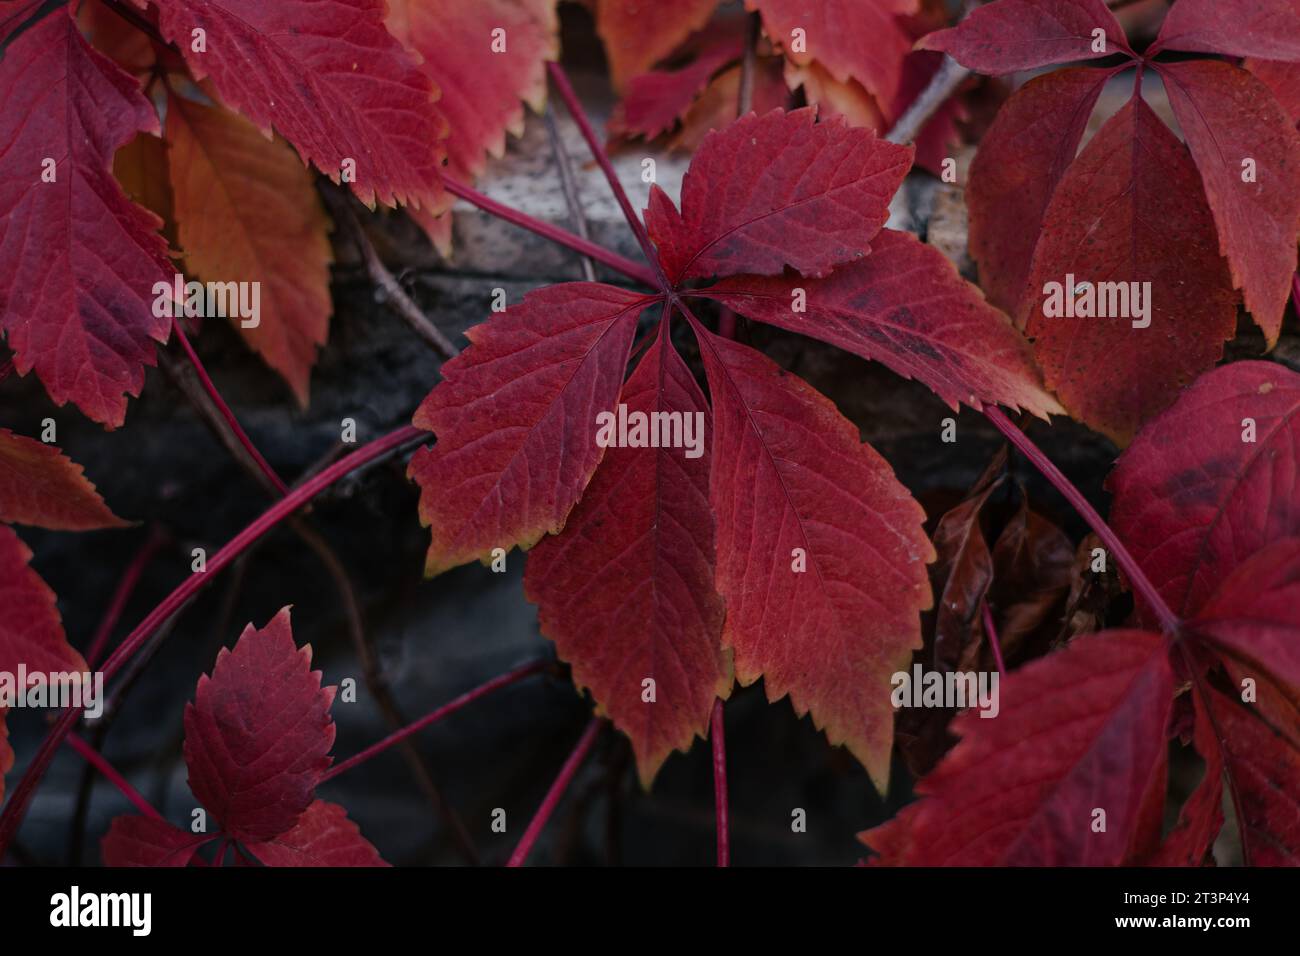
78,260
31,631
626,589
1012,35
1080,730
323,836
258,734
1020,161
330,78
776,190
246,209
640,33
1267,28
1130,209
854,39
1192,499
1228,117
39,485
904,305
515,416
820,552
147,841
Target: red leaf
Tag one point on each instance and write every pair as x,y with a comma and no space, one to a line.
146,841
31,631
638,34
247,209
1228,118
323,836
78,260
1021,160
258,733
515,416
776,190
17,13
1080,730
904,305
1012,35
39,485
1130,209
1192,500
329,78
854,39
626,589
655,101
793,476
1200,819
1283,79
1267,28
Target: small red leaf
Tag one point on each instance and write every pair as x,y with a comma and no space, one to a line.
1267,28
862,40
258,733
329,78
146,841
78,260
1234,129
1129,210
655,101
1078,731
906,306
515,416
39,485
323,836
820,552
1193,500
1012,35
31,631
776,190
626,589
1020,161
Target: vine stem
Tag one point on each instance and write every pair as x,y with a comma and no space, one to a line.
13,813
718,740
225,411
579,115
1169,621
991,632
447,709
100,763
553,795
546,230
125,588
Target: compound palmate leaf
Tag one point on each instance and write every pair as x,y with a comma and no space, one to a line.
776,190
820,550
515,417
78,260
258,733
1079,731
626,589
330,78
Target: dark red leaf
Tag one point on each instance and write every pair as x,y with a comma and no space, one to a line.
1192,499
515,416
776,190
1229,120
626,589
39,485
146,841
258,734
1130,209
1283,79
1012,35
31,631
323,836
1267,28
78,260
821,555
904,305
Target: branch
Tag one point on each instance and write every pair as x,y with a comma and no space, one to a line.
991,634
943,84
125,588
553,795
569,183
97,760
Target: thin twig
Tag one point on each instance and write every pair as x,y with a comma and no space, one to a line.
95,758
943,85
991,635
156,539
718,740
556,792
569,183
745,98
